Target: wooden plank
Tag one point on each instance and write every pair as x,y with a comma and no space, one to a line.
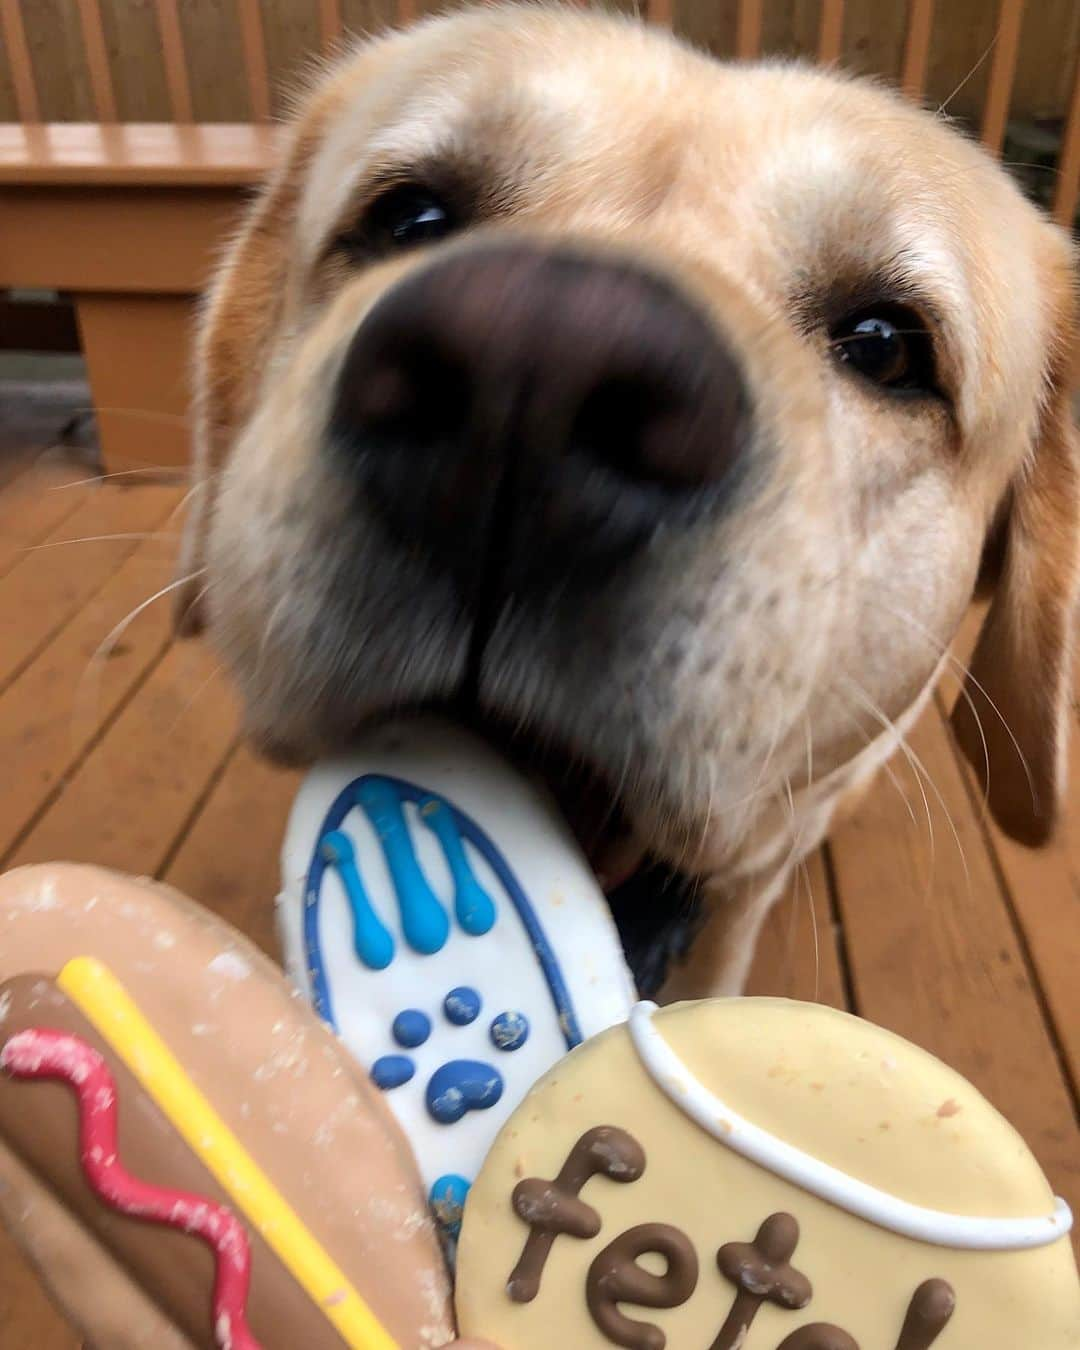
1043,884
917,47
136,155
54,710
229,859
294,41
9,110
797,954
215,58
48,586
33,506
54,38
367,16
138,356
1044,888
97,61
661,12
20,66
254,44
130,801
1068,184
175,59
748,29
934,954
187,228
830,31
1002,73
133,44
331,25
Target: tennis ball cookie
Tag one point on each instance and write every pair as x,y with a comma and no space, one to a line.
758,1174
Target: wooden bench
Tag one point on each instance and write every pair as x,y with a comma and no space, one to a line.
128,219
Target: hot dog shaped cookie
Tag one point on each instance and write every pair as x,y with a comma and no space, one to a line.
757,1174
186,1155
440,916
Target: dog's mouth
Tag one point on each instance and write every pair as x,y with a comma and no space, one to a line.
656,908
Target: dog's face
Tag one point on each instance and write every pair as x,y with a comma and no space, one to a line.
658,409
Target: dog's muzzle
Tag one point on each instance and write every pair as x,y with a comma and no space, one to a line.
536,415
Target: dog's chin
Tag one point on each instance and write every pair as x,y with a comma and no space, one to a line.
655,906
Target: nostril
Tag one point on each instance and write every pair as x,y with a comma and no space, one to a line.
616,423
415,398
647,430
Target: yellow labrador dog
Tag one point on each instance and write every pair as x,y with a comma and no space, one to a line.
659,414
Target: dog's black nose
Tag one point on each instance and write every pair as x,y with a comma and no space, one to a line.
565,405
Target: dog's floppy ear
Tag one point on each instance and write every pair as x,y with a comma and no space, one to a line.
1021,683
240,313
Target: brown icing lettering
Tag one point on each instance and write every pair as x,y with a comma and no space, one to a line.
615,1277
932,1306
551,1208
818,1336
761,1272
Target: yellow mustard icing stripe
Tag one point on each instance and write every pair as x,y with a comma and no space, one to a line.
107,1004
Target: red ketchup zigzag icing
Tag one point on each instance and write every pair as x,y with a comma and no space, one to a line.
41,1053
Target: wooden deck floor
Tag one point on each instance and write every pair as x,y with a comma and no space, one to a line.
970,947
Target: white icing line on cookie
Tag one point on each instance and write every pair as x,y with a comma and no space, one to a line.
878,1207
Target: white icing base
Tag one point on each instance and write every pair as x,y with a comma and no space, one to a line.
500,965
802,1169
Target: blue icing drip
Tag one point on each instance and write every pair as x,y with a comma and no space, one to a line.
373,944
460,1086
390,1071
509,1031
423,919
447,1201
474,908
472,834
462,1005
411,1028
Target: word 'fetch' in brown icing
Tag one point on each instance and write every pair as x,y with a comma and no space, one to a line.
818,1336
761,1271
615,1277
931,1307
552,1208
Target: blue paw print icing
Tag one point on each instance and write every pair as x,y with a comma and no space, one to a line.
391,1071
447,1200
388,926
462,1006
411,1028
460,1086
509,1031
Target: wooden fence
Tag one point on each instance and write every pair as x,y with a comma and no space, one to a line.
236,60
191,84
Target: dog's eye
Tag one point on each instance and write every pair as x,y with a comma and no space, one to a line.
888,345
403,217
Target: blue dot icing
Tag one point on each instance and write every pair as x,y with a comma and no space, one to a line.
372,943
447,1201
509,1031
424,922
462,1085
462,1005
473,907
411,1028
390,1071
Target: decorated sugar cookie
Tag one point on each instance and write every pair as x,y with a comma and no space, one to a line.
440,917
187,1156
757,1174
